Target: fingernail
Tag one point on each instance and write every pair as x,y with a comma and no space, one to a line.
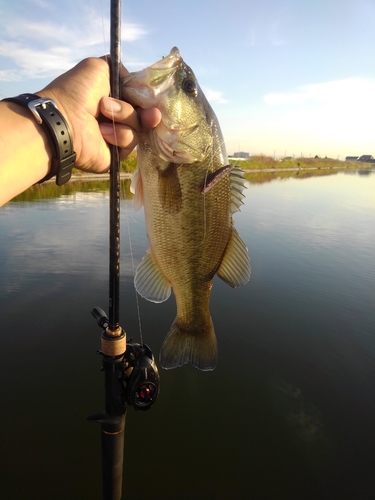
106,128
111,104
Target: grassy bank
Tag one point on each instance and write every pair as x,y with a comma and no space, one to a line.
268,163
126,166
263,163
259,169
262,176
49,190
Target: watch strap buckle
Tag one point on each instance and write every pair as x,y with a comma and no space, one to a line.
32,105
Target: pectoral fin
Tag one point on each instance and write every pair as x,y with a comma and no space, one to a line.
235,266
150,282
136,187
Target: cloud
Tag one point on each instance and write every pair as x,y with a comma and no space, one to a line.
36,49
333,112
275,37
41,3
214,96
285,98
330,118
34,63
324,117
336,93
10,75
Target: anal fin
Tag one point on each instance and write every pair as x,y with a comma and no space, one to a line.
235,266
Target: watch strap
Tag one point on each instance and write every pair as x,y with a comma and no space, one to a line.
58,131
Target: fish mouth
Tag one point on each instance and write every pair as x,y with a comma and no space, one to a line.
170,61
151,87
142,87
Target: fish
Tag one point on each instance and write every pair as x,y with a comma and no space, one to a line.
189,192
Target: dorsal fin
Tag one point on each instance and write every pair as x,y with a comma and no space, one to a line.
237,185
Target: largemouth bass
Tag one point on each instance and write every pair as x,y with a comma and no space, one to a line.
189,193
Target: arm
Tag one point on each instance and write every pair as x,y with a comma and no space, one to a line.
81,95
26,151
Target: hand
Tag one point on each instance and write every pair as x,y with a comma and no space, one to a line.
81,95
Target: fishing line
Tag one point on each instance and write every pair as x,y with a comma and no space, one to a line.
204,208
204,201
133,271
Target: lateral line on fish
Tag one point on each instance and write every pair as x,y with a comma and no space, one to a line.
214,177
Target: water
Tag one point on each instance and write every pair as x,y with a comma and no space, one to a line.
288,413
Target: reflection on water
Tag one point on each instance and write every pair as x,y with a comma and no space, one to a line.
303,417
289,411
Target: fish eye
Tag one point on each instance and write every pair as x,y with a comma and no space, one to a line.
190,87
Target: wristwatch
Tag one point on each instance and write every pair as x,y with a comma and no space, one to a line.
58,132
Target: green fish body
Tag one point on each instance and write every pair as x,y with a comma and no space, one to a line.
189,193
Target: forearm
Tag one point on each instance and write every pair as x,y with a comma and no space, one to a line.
81,95
25,151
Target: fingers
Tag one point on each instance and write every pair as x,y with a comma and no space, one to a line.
126,122
123,71
119,135
122,130
149,118
120,112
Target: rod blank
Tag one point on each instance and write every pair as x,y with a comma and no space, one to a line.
114,218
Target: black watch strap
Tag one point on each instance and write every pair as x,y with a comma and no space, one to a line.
46,114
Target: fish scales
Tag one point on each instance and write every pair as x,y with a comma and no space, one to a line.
191,233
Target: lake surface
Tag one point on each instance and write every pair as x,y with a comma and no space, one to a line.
289,412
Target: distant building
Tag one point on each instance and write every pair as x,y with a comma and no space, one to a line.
351,158
366,158
241,154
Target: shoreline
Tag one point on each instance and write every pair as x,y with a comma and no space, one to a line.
127,175
301,169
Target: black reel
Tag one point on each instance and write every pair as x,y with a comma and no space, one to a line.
141,379
138,376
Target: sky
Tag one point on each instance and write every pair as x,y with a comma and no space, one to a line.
284,77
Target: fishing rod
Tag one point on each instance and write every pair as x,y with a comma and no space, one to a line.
131,375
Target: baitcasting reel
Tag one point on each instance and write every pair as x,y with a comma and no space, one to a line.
141,377
137,377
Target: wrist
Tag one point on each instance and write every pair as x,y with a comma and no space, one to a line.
66,111
50,94
58,132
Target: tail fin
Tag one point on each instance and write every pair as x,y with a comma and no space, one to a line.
183,344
